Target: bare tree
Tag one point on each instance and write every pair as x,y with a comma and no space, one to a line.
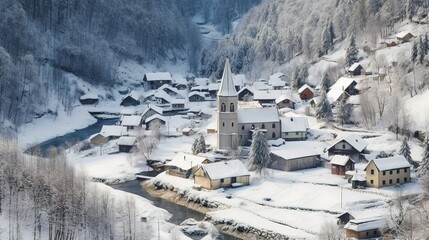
330,231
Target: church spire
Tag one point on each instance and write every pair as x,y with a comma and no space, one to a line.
227,88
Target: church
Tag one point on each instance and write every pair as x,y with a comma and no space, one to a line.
236,125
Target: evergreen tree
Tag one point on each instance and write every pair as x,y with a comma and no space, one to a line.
351,53
423,170
409,9
414,51
323,109
294,79
332,32
373,6
343,112
302,76
259,156
405,151
194,146
327,42
201,146
421,50
326,82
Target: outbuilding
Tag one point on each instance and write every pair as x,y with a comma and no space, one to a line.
230,173
183,165
306,92
294,159
126,143
340,164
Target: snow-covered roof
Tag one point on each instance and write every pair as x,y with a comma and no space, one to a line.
269,95
162,94
186,161
365,224
213,86
225,169
133,94
112,130
294,124
354,100
133,120
257,115
239,79
402,34
277,83
128,111
227,87
127,141
187,129
177,101
359,177
293,153
276,142
249,104
335,94
246,88
354,140
159,76
284,97
201,81
277,75
200,88
340,160
201,94
166,86
353,67
89,96
155,116
390,163
260,86
342,83
305,86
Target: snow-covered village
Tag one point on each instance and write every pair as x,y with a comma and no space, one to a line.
214,119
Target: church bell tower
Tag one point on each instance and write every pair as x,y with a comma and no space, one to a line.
227,121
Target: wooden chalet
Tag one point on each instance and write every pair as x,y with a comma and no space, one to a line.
356,69
132,99
152,81
306,92
404,36
216,175
245,94
184,165
126,143
340,164
285,101
351,145
365,228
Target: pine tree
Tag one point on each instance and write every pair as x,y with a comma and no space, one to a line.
351,53
259,156
303,75
409,9
294,79
325,83
327,40
405,151
423,170
332,32
421,50
194,146
343,112
323,109
414,51
201,146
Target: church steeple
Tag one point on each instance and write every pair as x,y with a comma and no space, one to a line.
227,88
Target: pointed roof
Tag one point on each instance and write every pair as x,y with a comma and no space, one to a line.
227,88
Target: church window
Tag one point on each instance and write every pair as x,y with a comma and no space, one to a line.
263,126
253,126
223,107
273,135
242,127
274,125
223,124
232,124
231,107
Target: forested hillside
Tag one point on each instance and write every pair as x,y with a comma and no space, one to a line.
277,31
42,40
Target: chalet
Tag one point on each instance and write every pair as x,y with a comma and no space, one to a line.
390,171
391,42
188,131
156,80
404,36
351,145
111,132
335,96
230,173
173,92
345,84
239,81
151,110
213,88
344,218
306,92
97,139
245,94
277,84
132,99
294,159
197,96
200,88
340,164
294,127
88,99
262,85
184,165
180,83
177,104
285,101
314,101
355,69
162,97
267,119
365,228
269,96
126,143
278,76
155,117
132,122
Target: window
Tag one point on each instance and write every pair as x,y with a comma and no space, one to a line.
263,126
397,170
274,125
223,107
253,126
222,180
384,182
232,124
242,127
233,179
273,135
405,169
405,179
286,133
391,172
223,124
384,173
344,146
372,181
297,133
397,180
375,232
231,107
372,172
390,181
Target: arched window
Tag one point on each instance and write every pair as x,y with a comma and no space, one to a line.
253,126
232,124
274,125
242,127
223,124
273,135
263,126
231,107
223,107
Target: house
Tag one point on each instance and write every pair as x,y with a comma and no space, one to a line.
382,172
180,83
216,175
195,96
358,180
285,101
268,96
173,92
245,94
391,42
213,88
345,84
177,104
306,92
151,110
266,119
156,80
351,145
188,131
132,122
344,218
239,81
204,88
314,101
365,228
132,99
97,139
111,132
155,117
294,159
404,36
335,95
126,143
355,69
294,127
184,165
340,164
88,99
161,97
276,83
